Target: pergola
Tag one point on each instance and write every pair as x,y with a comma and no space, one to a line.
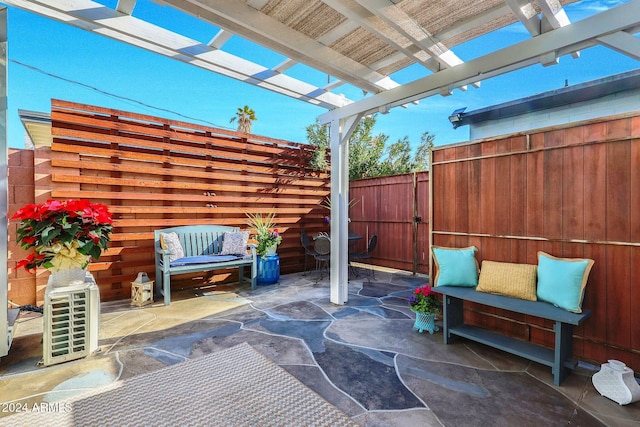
359,43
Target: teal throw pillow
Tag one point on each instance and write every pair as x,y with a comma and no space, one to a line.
455,266
561,281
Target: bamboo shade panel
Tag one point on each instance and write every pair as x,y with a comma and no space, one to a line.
155,173
571,191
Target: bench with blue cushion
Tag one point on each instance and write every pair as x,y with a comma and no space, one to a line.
202,247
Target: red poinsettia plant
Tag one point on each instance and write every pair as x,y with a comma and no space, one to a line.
65,233
424,300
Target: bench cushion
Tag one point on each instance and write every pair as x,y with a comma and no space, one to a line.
203,259
455,266
235,243
170,242
561,281
509,279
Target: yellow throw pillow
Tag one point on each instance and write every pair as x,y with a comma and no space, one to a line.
163,244
505,278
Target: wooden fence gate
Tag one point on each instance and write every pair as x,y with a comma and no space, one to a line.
396,208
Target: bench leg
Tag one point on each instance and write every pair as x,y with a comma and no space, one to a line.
163,285
254,275
166,282
452,316
158,281
563,351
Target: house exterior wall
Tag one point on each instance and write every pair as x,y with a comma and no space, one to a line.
618,103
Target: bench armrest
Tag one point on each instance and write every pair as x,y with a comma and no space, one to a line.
161,258
252,247
162,251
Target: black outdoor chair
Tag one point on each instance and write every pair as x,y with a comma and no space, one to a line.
308,250
368,254
322,246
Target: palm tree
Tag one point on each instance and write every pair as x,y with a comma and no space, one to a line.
245,117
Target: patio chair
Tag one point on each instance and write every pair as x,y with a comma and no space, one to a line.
368,254
322,247
308,250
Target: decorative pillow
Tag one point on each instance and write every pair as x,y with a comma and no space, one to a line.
170,242
506,278
235,243
455,266
561,281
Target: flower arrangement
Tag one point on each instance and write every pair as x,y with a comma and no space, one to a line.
424,300
65,234
267,236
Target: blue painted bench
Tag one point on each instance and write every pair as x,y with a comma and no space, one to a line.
559,359
202,245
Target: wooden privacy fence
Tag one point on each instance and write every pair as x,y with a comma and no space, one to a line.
155,173
571,192
396,208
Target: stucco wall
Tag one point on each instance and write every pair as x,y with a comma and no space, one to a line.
22,289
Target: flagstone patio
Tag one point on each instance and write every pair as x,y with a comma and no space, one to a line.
364,357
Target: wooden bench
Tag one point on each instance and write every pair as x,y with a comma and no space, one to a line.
202,245
559,359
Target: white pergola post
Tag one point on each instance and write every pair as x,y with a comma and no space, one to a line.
5,328
341,130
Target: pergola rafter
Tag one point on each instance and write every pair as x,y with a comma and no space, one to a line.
360,14
399,28
244,20
553,17
112,23
396,18
126,6
563,41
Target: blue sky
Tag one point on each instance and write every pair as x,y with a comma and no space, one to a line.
46,57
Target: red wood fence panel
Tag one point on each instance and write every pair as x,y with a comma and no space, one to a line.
571,191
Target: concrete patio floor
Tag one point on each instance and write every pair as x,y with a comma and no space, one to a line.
364,357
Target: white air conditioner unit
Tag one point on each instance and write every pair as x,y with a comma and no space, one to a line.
71,318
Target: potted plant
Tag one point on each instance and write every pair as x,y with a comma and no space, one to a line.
268,239
424,302
66,235
266,234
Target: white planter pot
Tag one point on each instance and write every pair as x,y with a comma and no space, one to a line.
271,250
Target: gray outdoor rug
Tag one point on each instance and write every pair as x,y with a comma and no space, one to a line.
234,387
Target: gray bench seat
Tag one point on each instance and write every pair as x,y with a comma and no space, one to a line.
559,358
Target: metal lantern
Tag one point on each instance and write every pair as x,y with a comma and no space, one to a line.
142,290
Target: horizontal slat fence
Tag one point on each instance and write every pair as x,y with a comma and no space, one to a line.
155,173
570,191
